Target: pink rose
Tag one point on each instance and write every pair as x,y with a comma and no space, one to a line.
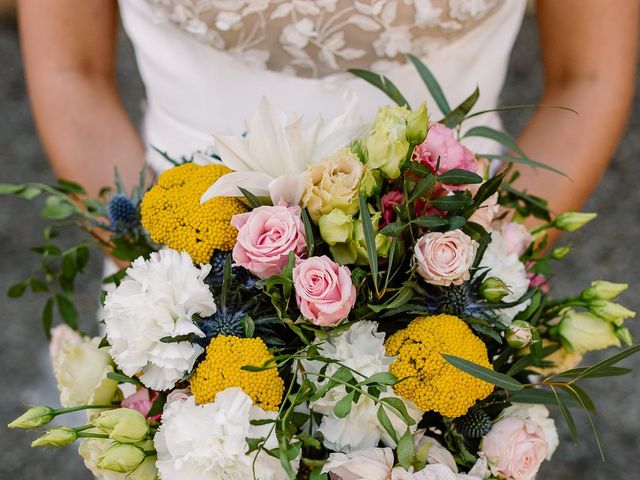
324,290
516,238
442,146
387,202
515,448
142,401
445,258
266,236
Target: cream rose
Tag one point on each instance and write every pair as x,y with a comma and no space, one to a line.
445,258
515,448
81,369
333,183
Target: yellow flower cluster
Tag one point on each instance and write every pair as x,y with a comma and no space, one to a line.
221,369
173,216
435,384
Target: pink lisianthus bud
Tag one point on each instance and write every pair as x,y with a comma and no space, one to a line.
142,401
441,149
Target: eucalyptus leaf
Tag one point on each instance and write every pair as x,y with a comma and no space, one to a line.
252,200
453,118
369,238
47,317
459,177
343,406
430,221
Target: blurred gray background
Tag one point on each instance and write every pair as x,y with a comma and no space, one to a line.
608,248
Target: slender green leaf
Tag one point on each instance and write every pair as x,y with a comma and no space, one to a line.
308,230
383,83
252,200
456,222
394,229
528,198
581,396
608,362
541,396
432,84
566,414
157,406
488,188
502,138
422,187
604,372
403,296
47,317
483,373
398,405
120,378
68,186
30,192
459,177
38,286
453,118
522,161
431,221
452,202
521,107
369,238
57,209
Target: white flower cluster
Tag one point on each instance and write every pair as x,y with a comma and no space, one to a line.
360,348
158,298
208,442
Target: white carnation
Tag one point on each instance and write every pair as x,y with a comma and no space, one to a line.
510,270
538,414
208,442
360,348
158,298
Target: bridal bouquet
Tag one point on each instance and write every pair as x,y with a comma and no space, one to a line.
352,301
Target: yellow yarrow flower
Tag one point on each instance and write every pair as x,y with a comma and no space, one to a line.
172,214
221,369
435,384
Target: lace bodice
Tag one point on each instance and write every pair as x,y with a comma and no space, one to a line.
308,38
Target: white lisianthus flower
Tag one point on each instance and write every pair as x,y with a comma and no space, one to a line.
158,298
360,348
540,415
81,368
509,269
377,464
92,449
208,442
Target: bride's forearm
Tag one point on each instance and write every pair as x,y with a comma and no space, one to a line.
579,145
68,50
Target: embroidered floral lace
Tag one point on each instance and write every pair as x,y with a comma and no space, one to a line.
319,38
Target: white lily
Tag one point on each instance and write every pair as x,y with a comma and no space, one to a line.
272,159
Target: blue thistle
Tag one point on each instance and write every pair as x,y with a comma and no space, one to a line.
122,213
239,275
458,300
476,423
226,321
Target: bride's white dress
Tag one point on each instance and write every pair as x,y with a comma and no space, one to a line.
207,63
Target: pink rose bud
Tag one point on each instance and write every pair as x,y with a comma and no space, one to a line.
442,146
387,202
516,238
266,236
515,448
142,401
324,290
445,258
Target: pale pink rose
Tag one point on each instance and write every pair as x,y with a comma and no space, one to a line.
486,212
516,238
445,258
387,202
324,290
515,448
142,401
442,146
266,236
